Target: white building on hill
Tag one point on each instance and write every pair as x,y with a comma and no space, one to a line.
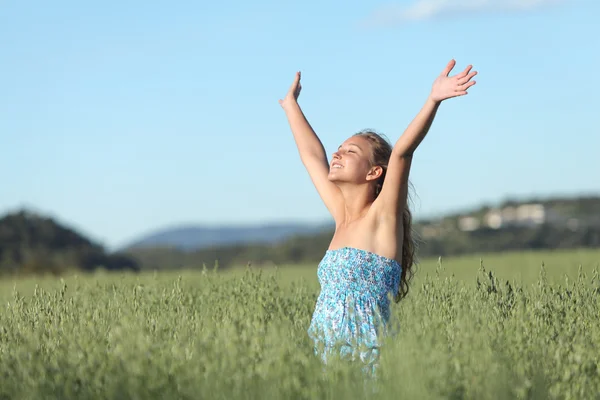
525,215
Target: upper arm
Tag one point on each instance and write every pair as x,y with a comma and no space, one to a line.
318,169
394,192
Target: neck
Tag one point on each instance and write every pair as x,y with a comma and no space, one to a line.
357,201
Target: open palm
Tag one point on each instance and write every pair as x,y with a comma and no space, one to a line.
446,87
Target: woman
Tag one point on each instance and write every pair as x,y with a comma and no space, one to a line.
365,188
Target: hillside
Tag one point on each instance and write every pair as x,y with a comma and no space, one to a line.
189,238
512,225
31,243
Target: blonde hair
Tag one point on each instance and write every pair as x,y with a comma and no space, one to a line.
380,156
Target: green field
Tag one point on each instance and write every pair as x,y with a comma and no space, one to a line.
531,333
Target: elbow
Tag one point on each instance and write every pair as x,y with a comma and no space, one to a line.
403,153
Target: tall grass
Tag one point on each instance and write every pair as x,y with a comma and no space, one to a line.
243,335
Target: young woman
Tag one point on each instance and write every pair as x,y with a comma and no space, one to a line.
365,188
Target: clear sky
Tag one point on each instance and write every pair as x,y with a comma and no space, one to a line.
121,117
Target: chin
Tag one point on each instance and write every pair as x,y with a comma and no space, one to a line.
334,178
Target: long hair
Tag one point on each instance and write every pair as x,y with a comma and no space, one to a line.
381,153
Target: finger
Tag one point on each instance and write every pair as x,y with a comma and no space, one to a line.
295,83
466,86
466,78
465,72
448,68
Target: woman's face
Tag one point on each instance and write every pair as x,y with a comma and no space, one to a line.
351,163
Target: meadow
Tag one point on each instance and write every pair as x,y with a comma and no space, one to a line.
516,325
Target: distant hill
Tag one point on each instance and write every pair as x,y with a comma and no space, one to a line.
190,238
565,212
555,223
32,243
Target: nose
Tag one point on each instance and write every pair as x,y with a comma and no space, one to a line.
336,155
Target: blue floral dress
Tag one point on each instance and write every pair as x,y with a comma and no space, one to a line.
353,308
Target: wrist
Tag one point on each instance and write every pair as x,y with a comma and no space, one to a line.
433,100
290,105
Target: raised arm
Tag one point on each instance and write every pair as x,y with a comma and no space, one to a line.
392,198
311,151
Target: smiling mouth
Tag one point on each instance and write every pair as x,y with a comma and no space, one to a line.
336,165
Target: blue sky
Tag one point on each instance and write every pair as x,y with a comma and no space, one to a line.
119,118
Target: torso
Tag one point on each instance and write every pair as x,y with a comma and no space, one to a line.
382,236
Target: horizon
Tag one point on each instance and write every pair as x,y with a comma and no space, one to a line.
120,119
264,224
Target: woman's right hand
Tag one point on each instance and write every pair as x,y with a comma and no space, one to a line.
292,95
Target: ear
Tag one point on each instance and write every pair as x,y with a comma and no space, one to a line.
374,173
